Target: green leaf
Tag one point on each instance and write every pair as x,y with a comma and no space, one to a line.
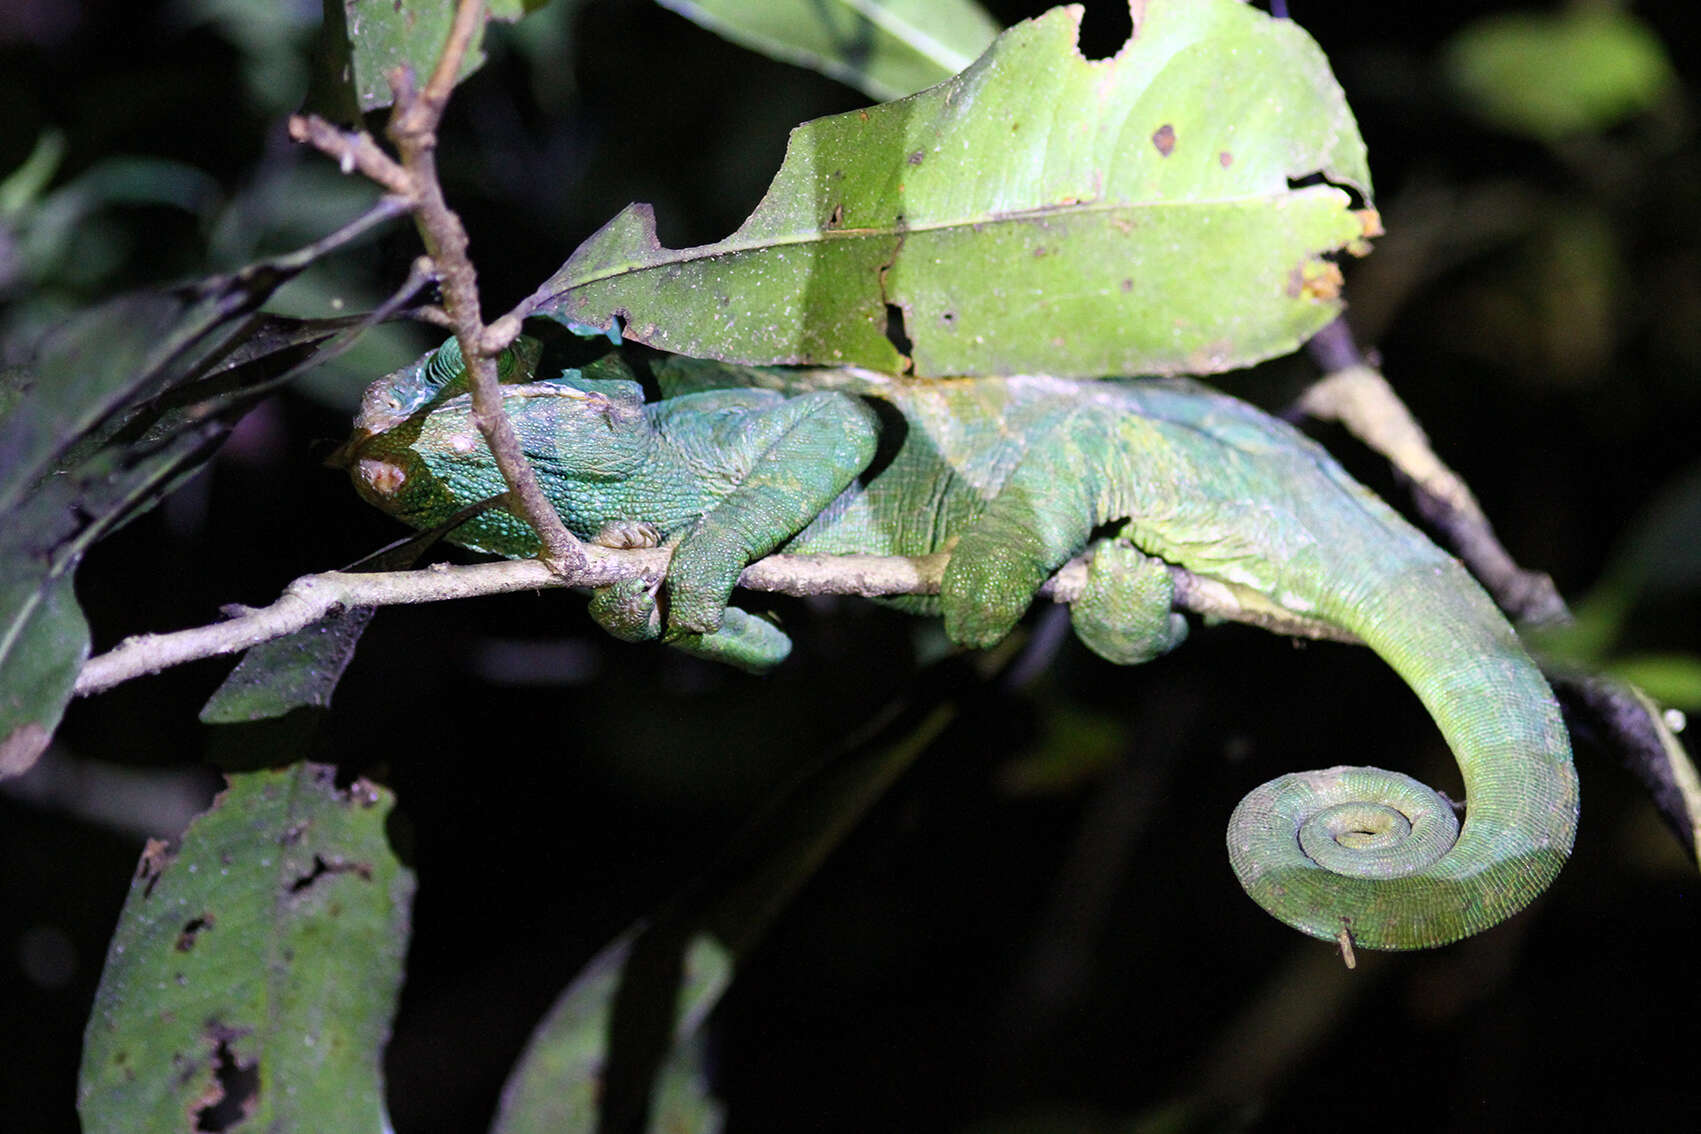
884,48
1644,738
620,1039
121,404
684,1102
58,491
1039,212
46,246
88,370
384,34
1669,678
301,669
255,969
44,640
21,187
563,1080
1552,75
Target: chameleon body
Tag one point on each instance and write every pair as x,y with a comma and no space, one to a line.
1014,476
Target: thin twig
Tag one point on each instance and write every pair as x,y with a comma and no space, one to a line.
1357,395
413,130
313,597
356,152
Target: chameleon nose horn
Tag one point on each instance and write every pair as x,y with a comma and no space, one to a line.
382,478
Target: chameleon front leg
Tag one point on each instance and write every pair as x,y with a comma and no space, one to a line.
628,611
807,450
746,641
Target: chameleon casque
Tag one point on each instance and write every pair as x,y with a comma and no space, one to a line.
1014,476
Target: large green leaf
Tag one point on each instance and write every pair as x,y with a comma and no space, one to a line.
884,48
563,1083
254,971
58,490
106,431
1037,212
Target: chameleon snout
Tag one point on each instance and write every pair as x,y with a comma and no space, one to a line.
379,477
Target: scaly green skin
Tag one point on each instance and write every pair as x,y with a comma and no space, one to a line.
1013,476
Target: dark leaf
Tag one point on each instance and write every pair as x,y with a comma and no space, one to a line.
630,1015
255,969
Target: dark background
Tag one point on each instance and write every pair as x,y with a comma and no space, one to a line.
1038,922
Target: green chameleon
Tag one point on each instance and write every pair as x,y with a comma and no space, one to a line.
1015,476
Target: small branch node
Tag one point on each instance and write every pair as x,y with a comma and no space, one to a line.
356,151
500,334
401,84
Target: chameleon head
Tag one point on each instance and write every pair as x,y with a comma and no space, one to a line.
425,467
390,474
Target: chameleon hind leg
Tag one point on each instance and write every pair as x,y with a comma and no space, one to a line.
628,611
1043,515
1124,613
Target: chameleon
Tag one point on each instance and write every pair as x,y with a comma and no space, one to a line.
1014,476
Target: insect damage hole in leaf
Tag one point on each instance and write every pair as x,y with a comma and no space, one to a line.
321,868
192,929
234,1093
1319,279
897,335
1105,30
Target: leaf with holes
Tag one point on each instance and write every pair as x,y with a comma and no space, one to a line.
1039,212
254,972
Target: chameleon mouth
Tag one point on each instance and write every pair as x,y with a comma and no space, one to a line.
381,478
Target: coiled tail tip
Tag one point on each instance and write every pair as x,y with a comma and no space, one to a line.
1380,856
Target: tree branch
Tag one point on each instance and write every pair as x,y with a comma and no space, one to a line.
413,131
313,597
1357,395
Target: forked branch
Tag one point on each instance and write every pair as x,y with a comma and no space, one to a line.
413,176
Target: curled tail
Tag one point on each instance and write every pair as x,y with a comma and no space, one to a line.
1379,855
